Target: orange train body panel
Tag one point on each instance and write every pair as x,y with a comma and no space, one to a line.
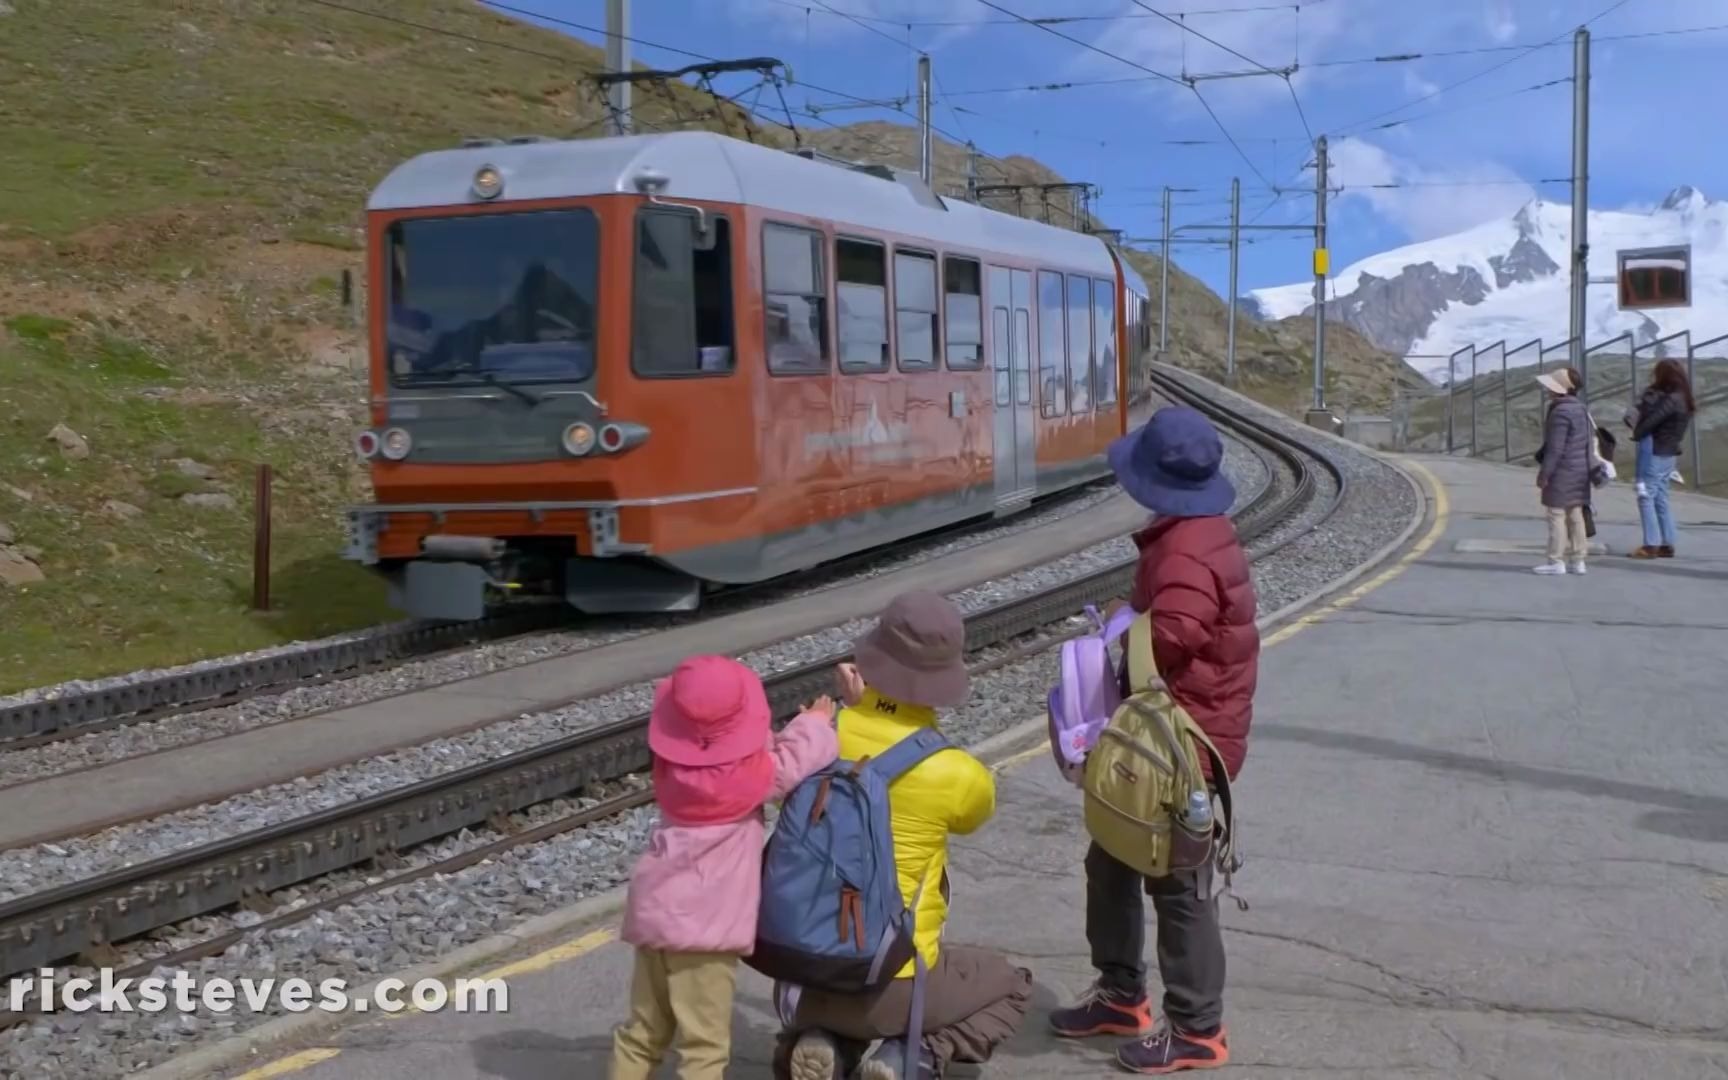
619,385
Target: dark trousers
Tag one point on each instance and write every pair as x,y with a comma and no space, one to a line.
974,1001
1190,941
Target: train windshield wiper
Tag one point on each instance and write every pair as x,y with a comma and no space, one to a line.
491,378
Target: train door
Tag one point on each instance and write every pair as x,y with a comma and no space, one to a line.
1011,368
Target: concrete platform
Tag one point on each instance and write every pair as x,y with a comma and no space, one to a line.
218,768
1485,817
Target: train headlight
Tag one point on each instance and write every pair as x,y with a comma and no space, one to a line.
366,445
397,443
617,437
579,439
488,182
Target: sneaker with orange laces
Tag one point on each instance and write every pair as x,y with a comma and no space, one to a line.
1169,1050
1104,1012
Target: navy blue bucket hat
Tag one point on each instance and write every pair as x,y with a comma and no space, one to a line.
1173,465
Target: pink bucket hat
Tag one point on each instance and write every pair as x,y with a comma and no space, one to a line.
710,711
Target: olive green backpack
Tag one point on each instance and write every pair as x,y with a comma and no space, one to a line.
1142,771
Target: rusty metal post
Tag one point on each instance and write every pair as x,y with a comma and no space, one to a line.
261,540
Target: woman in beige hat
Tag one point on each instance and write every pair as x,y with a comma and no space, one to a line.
1563,475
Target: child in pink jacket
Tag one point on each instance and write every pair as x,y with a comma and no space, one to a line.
691,911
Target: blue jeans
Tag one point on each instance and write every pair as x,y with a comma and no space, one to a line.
1644,452
1654,473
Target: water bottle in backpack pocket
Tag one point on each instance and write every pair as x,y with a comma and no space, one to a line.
1147,802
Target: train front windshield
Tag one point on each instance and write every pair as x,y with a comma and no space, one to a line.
488,298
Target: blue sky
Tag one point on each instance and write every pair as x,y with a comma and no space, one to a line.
1469,152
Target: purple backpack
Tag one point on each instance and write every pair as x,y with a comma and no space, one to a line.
1089,691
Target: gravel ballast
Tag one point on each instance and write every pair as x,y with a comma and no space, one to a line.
41,866
420,920
131,740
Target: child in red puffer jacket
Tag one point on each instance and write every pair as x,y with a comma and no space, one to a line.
1193,578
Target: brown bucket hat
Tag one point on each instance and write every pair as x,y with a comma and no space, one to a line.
916,652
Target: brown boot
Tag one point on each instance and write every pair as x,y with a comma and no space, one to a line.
1644,552
1666,551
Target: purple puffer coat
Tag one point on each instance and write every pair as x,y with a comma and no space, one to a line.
1565,472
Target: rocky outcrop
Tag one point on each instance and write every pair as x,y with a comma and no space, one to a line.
1395,312
1525,262
70,442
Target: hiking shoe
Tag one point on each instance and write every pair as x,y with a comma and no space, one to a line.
1666,551
889,1063
1551,568
1168,1050
1575,568
1644,552
1104,1012
815,1056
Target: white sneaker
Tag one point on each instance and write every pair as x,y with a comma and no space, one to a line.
1551,568
815,1057
1575,568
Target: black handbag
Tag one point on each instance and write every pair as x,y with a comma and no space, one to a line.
1589,521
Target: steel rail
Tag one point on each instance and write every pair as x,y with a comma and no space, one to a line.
103,708
87,918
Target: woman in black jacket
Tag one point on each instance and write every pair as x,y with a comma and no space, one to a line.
1664,411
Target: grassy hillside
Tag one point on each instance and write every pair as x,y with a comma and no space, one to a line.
182,192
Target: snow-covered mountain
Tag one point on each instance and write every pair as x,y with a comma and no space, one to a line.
1509,279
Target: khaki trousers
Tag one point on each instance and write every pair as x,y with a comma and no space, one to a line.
1566,540
682,997
974,1001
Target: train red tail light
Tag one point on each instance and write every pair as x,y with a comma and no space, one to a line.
618,437
366,445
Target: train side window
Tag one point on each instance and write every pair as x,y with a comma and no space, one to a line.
683,302
795,299
916,326
1079,344
861,270
1052,345
999,350
963,304
1104,341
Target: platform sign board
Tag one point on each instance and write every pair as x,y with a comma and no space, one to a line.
1655,277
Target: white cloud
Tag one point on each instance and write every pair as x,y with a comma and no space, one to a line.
1430,201
1501,25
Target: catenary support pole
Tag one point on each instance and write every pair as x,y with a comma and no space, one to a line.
1164,281
1580,194
926,149
618,62
1320,270
1230,297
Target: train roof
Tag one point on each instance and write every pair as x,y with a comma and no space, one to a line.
712,167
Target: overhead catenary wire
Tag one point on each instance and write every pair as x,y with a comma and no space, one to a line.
1489,70
1400,57
1053,20
1285,73
678,50
1150,71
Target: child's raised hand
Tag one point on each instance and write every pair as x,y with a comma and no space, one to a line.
823,705
851,683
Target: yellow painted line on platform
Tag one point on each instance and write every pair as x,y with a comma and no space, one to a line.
1436,528
293,1063
540,961
587,943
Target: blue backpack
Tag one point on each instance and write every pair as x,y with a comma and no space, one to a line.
832,916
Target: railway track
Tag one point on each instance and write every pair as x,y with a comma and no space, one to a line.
105,706
86,919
